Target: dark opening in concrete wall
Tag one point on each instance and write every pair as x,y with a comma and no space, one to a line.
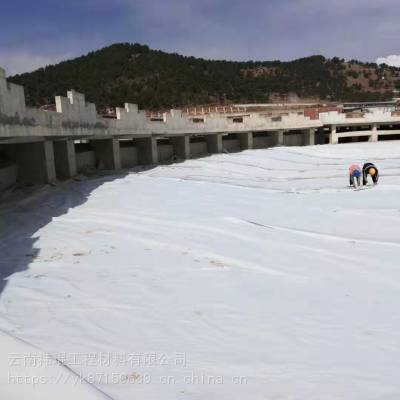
388,127
165,150
129,154
231,143
353,128
353,139
65,159
8,171
293,138
322,136
198,120
147,150
388,137
198,146
34,160
262,140
85,156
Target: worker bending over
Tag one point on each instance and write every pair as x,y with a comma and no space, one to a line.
355,175
371,170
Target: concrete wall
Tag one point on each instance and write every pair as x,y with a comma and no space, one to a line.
45,143
85,159
198,148
262,142
129,156
231,143
35,161
74,117
65,159
107,153
293,139
8,176
165,152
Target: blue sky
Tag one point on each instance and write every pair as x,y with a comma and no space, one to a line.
34,33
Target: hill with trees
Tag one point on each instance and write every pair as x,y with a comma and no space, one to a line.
154,79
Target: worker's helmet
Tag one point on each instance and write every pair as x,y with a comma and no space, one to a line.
372,171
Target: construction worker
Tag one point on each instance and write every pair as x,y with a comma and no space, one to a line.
355,175
371,170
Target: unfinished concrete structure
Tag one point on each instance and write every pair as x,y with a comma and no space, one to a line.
371,126
39,146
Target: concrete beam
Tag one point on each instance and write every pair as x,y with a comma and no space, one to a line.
147,150
107,153
65,159
181,146
214,143
246,140
18,140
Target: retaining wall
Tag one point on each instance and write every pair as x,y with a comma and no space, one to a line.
293,139
262,142
198,148
8,176
84,140
231,144
129,156
165,152
85,160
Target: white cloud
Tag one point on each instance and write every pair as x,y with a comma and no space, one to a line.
393,60
19,62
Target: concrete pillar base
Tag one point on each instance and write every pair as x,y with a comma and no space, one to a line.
107,153
65,159
246,140
181,146
333,138
147,150
374,136
214,143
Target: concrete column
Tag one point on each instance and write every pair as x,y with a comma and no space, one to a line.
181,146
278,137
214,143
65,159
48,165
147,150
107,153
374,135
246,140
333,136
309,137
35,161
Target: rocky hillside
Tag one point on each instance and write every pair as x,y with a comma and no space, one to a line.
155,79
